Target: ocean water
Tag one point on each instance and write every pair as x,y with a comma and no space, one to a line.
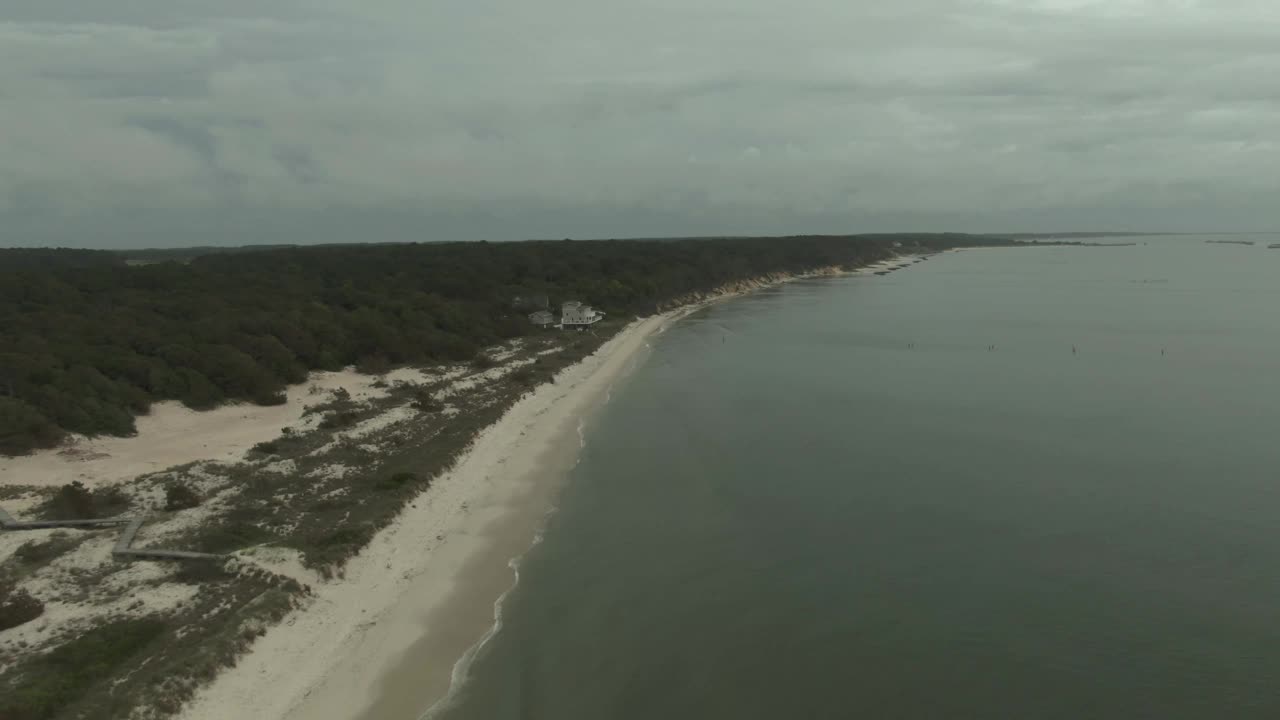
909,497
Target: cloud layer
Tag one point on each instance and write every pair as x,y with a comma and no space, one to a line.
172,122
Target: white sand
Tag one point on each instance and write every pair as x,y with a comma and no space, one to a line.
893,263
71,606
326,660
175,435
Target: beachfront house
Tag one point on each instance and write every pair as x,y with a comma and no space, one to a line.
542,318
574,314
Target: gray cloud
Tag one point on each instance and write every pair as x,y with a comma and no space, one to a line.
180,121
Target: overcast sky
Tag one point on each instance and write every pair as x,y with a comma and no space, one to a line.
127,123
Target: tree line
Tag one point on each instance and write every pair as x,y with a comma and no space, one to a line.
88,342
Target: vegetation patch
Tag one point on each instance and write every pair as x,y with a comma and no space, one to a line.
76,502
179,496
241,326
13,492
339,419
424,400
33,555
60,678
17,607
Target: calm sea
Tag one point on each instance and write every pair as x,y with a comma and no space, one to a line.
910,497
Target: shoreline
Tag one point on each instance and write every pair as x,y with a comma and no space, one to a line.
330,658
395,634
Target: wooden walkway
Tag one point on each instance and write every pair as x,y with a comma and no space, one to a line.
124,545
8,522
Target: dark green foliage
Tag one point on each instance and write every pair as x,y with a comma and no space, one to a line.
335,546
267,447
375,364
63,676
180,497
23,428
202,571
33,554
73,502
232,535
87,343
19,259
339,419
355,536
109,502
271,398
526,375
483,362
424,400
17,607
398,480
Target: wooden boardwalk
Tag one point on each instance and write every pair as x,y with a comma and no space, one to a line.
8,522
124,545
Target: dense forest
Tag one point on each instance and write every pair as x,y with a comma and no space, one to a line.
19,259
88,342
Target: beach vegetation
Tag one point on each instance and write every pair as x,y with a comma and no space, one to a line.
179,496
17,607
74,501
88,342
34,554
60,678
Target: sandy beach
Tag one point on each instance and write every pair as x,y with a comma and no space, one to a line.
405,593
390,637
394,631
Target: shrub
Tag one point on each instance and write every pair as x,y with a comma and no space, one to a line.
326,551
354,537
197,572
180,497
24,429
18,607
110,501
267,447
525,376
32,553
375,364
338,419
73,502
398,480
270,397
238,529
483,362
425,401
60,678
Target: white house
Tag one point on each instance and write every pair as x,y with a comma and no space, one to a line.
574,314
